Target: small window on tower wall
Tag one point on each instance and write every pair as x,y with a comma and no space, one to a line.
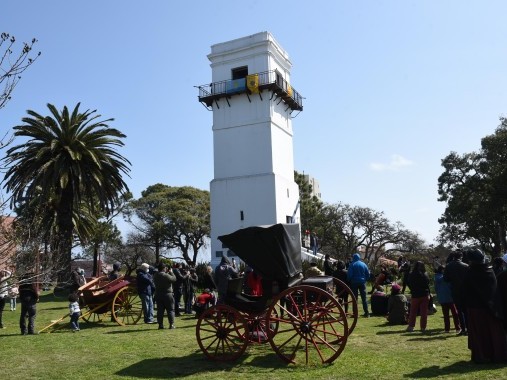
240,72
219,253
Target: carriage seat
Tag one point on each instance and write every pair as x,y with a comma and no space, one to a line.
235,286
323,282
240,301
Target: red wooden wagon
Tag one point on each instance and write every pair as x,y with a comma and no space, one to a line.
101,297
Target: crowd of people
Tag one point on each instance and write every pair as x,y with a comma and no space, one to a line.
173,291
471,292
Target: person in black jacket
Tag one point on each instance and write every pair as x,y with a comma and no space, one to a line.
189,285
178,287
486,336
328,266
77,279
454,274
115,273
223,273
164,280
419,285
208,282
405,272
29,296
341,274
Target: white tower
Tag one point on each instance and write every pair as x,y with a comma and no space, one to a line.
252,102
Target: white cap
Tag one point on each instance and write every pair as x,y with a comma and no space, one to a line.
145,266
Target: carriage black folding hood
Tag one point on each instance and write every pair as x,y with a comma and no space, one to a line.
274,251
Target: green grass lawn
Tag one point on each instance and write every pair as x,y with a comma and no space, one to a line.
108,351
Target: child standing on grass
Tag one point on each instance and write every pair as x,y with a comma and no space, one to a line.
13,295
74,311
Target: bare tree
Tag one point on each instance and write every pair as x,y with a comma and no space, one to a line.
345,229
13,64
131,254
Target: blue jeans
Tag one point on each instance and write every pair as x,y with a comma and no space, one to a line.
188,302
147,302
362,290
74,320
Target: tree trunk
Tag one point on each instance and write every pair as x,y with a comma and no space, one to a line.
95,261
157,251
66,230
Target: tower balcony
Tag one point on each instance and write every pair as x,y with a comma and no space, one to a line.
252,84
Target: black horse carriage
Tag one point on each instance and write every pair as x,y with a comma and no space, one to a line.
304,320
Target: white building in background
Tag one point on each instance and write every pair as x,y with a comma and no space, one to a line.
315,186
252,102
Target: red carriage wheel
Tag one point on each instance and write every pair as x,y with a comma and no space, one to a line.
258,328
312,325
221,332
348,302
127,308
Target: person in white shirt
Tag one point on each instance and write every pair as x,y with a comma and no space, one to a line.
4,287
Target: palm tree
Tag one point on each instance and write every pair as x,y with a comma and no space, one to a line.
69,162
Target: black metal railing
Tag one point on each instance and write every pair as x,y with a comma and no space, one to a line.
271,80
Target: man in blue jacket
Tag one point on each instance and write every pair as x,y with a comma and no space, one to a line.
357,275
146,288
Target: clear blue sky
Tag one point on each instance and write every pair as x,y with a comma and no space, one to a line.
391,87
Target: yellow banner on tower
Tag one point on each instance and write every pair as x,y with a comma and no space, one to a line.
252,82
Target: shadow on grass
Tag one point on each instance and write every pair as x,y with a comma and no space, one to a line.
434,334
128,331
174,367
49,297
56,308
391,332
455,370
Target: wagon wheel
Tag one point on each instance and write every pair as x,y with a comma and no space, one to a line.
348,302
259,329
127,307
91,317
312,325
221,332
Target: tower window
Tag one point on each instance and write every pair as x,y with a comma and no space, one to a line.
240,72
241,215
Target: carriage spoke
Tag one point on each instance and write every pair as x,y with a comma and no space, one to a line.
220,333
318,326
